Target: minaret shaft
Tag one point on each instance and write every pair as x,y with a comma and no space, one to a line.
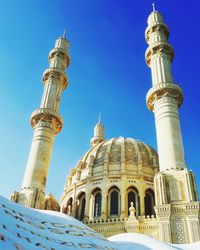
164,97
168,131
46,122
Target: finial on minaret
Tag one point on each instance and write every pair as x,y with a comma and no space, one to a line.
154,7
64,34
99,117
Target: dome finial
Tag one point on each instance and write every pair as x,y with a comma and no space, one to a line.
64,34
99,117
154,7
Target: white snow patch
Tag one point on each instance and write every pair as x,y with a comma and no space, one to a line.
133,241
30,229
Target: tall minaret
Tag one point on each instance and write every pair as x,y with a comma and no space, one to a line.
175,189
46,123
165,97
98,133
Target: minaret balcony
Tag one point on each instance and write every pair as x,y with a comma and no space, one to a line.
56,74
156,26
163,89
49,116
156,48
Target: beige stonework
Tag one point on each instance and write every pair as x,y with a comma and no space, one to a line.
46,122
121,184
121,165
176,198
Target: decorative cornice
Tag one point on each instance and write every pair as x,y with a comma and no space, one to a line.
47,115
157,47
156,26
61,53
164,90
56,74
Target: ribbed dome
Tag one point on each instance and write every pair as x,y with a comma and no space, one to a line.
119,150
115,155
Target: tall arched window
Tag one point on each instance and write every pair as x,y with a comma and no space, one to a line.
97,205
82,209
68,209
149,202
133,196
80,212
114,203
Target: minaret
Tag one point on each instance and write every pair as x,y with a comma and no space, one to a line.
175,189
46,122
98,133
165,97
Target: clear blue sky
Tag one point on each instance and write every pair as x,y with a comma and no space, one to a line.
107,73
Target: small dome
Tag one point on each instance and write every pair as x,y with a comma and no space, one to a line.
51,203
154,17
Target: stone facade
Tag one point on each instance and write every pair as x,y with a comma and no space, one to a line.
121,184
111,175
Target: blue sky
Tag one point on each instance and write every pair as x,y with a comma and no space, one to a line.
107,74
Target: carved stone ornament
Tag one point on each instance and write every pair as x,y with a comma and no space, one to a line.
163,89
158,47
46,115
56,74
156,26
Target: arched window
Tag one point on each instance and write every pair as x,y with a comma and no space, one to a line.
133,196
114,203
68,209
97,205
149,202
80,212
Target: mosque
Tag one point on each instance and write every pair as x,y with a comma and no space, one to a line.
120,184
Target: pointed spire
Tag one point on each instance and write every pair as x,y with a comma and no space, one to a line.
64,34
100,117
154,7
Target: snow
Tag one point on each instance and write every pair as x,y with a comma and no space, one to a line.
133,241
24,228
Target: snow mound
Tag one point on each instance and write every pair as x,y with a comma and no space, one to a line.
135,241
24,228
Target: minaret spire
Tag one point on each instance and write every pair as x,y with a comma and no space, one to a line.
46,122
64,34
153,6
100,117
98,132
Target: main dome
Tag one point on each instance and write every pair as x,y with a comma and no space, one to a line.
117,155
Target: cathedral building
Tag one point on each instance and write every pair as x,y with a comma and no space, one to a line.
120,184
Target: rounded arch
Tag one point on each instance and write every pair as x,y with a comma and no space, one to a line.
114,201
133,196
69,205
80,209
96,202
149,202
